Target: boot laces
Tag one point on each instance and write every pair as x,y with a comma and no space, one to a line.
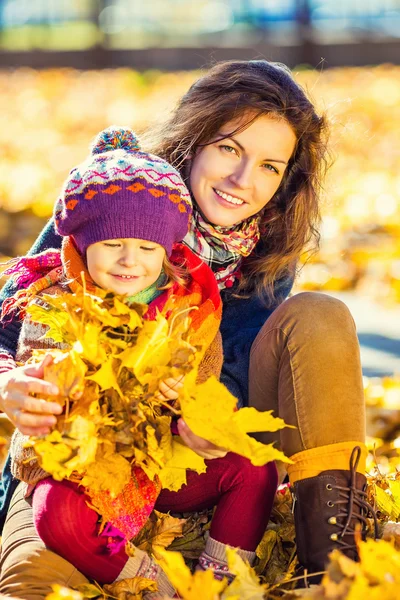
351,499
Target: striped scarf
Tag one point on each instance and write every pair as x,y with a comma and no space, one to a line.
222,248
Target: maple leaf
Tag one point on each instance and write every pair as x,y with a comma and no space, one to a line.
173,475
246,585
130,589
55,319
67,371
108,473
209,409
106,376
152,347
190,587
159,533
61,592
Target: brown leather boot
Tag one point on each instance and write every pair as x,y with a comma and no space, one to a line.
327,510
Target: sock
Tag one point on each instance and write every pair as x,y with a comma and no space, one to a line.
141,565
214,557
310,463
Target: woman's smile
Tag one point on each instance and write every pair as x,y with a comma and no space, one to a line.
226,198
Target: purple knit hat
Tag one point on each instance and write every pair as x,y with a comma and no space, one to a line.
122,192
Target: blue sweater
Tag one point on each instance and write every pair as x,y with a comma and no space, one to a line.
242,319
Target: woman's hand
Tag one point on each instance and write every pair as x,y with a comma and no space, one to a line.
169,389
32,416
199,445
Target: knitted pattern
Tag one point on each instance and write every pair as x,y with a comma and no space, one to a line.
214,558
122,192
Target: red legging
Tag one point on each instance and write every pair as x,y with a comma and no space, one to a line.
242,493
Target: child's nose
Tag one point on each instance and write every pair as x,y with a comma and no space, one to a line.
128,258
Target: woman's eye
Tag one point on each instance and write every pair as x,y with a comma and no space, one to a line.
111,245
229,149
269,167
147,248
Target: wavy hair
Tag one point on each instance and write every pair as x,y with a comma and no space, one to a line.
289,221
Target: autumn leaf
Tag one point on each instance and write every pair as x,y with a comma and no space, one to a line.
190,587
246,585
55,320
152,347
67,371
173,475
88,590
106,376
209,409
387,497
130,589
265,548
63,593
158,533
108,473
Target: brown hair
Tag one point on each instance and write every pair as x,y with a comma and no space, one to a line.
290,219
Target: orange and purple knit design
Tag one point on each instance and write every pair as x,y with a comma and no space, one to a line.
121,192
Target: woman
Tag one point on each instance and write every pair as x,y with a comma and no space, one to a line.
251,148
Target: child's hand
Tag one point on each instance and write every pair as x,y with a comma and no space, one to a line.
169,389
202,447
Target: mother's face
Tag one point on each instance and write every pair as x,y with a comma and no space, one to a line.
234,178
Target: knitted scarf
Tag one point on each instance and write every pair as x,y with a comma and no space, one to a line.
222,248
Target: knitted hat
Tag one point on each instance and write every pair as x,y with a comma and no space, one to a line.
122,192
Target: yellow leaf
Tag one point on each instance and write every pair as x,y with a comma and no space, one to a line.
63,593
130,589
108,473
67,371
209,410
173,475
53,454
190,587
106,376
386,502
250,420
54,319
152,347
265,548
246,584
88,590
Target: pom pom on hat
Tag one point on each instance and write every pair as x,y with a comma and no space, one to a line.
115,138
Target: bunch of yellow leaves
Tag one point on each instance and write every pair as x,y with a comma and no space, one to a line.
108,368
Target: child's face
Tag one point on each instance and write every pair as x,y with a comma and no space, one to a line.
125,266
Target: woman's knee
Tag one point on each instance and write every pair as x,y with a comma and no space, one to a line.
321,308
314,315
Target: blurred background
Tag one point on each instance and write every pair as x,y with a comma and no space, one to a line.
69,68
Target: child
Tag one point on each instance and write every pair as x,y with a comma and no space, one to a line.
122,213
